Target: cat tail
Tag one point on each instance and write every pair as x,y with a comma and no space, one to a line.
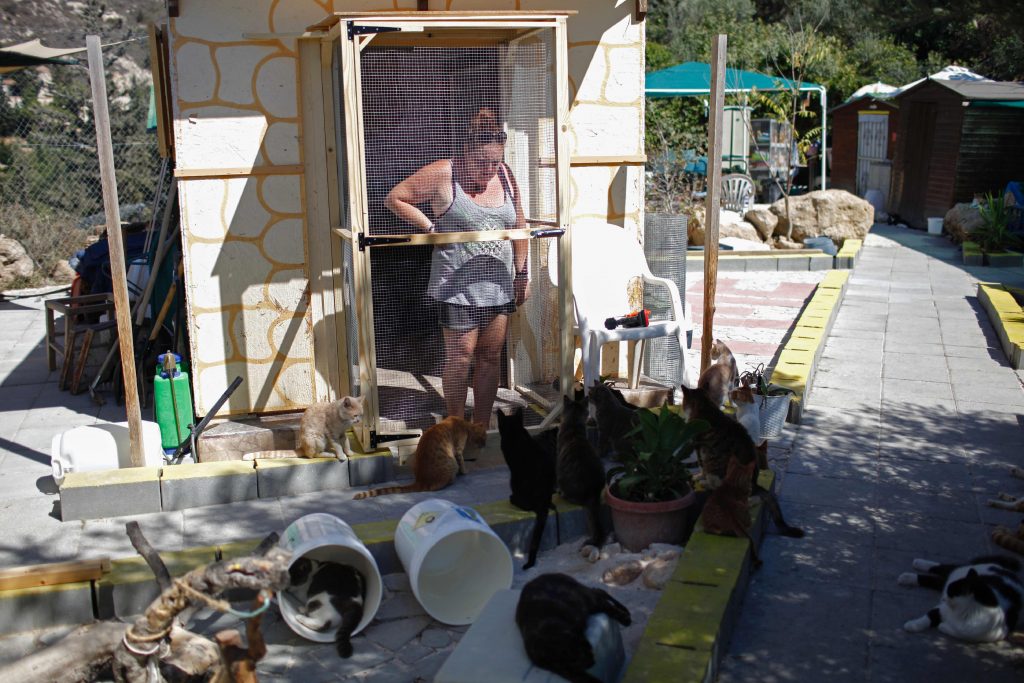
351,614
539,522
594,524
272,455
772,503
612,607
558,527
373,493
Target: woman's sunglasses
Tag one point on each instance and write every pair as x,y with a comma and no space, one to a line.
488,138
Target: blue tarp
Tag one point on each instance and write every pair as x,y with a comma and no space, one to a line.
694,78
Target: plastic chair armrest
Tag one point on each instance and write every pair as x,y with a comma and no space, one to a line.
678,312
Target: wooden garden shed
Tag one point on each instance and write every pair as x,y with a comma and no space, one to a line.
291,118
863,143
956,139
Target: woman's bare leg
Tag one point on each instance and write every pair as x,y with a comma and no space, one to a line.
487,369
458,354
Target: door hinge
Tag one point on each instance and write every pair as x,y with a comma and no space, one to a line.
362,30
370,241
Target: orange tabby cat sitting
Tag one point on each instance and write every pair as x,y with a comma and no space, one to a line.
438,459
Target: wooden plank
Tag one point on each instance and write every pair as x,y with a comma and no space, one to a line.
332,20
53,574
318,222
609,160
712,207
83,358
566,314
122,307
238,172
158,86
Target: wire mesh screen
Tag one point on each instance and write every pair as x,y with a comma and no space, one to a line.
665,245
458,139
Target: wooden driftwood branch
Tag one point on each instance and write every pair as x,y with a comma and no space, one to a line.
152,558
88,651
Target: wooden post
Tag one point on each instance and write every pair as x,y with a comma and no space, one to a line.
115,243
711,207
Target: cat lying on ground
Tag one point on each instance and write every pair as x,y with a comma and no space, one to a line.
327,596
981,600
552,617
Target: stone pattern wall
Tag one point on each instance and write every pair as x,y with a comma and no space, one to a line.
236,106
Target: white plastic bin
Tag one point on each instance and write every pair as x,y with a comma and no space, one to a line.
935,225
324,537
455,562
101,447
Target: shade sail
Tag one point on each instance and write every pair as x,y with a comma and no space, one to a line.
32,53
694,78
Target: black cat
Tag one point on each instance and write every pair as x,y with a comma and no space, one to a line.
330,596
531,467
552,617
580,474
615,419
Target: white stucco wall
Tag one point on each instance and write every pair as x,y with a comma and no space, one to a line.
236,106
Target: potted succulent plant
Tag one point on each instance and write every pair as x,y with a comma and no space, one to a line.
993,237
651,488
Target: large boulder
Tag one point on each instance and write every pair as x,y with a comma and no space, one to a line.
833,213
15,263
763,220
740,229
962,220
730,224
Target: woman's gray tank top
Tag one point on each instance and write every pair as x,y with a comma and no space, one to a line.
474,273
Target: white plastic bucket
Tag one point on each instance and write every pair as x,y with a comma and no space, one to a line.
101,447
455,562
935,226
324,537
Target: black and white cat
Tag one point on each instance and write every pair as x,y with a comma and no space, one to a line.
328,596
981,601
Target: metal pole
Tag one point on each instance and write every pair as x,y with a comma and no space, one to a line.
824,135
115,242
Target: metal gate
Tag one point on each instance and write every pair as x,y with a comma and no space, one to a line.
872,147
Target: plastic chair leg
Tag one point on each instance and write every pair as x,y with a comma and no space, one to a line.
638,354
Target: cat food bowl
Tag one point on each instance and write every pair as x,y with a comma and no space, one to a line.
455,562
326,538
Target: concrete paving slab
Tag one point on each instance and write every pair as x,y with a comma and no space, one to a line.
826,461
914,531
901,345
917,391
971,393
827,491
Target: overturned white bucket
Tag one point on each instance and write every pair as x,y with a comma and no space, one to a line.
455,562
101,447
324,537
935,226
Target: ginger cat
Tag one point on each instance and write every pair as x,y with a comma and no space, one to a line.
438,457
322,428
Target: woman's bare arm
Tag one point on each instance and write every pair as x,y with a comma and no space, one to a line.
426,184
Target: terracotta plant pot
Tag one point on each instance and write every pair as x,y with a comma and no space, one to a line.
637,525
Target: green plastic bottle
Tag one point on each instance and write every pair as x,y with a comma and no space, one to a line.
172,402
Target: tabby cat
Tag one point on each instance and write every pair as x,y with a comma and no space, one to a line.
531,467
328,596
323,427
580,474
727,510
438,457
552,617
981,601
725,440
615,419
721,376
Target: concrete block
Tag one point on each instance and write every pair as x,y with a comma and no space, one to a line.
292,476
129,587
1008,259
110,493
821,262
207,483
732,265
25,609
973,258
794,263
364,470
762,263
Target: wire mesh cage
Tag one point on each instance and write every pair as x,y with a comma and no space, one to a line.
459,170
665,243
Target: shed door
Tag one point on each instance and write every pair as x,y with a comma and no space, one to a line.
872,146
407,94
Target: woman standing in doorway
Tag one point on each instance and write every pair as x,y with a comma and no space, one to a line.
478,284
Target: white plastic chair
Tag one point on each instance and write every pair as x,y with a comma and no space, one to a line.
605,259
737,192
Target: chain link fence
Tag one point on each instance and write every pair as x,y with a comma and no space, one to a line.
51,200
